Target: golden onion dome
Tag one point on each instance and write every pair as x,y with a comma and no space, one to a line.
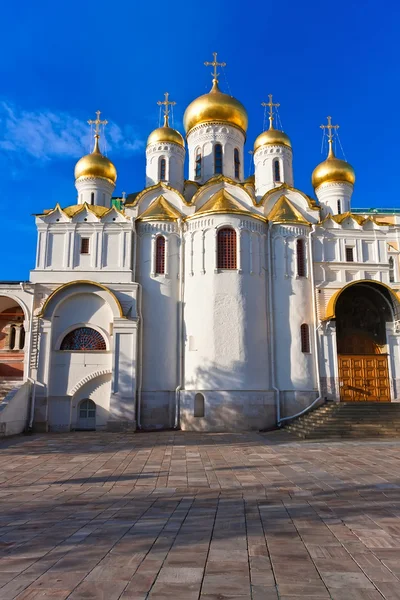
273,137
333,169
96,165
165,134
215,107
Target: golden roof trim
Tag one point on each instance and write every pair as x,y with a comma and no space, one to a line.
160,210
162,186
358,218
284,211
312,204
330,311
221,179
222,202
74,209
80,282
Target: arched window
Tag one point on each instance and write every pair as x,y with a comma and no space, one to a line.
92,198
22,338
237,163
197,168
83,339
198,405
162,169
277,170
391,269
218,159
305,338
11,343
301,258
226,248
160,255
87,409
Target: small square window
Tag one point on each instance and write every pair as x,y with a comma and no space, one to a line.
84,245
349,254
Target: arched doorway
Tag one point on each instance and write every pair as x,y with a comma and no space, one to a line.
362,311
87,415
12,340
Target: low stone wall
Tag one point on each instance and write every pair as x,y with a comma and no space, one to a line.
14,410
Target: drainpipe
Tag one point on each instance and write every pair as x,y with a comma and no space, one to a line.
32,411
271,324
180,327
140,359
314,296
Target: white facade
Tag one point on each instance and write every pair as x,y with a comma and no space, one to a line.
208,304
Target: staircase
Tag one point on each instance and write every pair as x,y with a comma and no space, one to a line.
7,385
349,420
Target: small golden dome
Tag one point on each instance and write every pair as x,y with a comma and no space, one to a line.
96,165
165,134
213,107
333,169
272,137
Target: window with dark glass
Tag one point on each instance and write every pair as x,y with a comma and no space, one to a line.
197,168
83,339
339,207
301,258
349,254
305,338
218,159
84,245
226,248
237,163
391,269
92,198
160,255
277,170
163,169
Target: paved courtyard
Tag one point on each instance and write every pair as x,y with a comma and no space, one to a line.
186,516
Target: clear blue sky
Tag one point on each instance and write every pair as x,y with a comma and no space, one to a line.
63,61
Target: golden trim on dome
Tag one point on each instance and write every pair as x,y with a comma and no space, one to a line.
224,203
272,136
96,164
162,186
332,169
160,210
166,133
284,211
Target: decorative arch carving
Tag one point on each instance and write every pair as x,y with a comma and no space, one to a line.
87,378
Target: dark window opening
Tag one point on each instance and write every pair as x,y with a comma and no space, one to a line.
92,198
277,170
218,159
83,339
160,255
84,245
305,338
339,207
197,168
226,248
198,405
163,169
391,269
349,254
301,258
237,163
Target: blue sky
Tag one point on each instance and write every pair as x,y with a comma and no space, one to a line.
63,61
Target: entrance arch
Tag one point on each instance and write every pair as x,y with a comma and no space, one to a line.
12,339
362,311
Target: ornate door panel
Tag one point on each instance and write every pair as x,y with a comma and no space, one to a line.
364,378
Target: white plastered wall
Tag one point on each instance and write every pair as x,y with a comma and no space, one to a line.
174,157
264,159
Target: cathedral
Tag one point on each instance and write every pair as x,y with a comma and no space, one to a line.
211,302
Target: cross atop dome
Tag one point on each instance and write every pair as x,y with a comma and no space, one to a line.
166,103
271,105
97,122
331,128
215,64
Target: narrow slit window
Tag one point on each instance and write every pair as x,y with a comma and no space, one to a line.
277,170
349,254
305,338
160,255
301,258
163,169
339,207
84,245
218,159
391,269
237,163
92,198
226,248
197,168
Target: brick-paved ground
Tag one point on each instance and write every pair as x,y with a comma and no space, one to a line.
186,516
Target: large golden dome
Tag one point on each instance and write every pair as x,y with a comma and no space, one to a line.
333,169
215,107
272,137
165,134
96,165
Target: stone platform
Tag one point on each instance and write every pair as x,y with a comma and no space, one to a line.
186,516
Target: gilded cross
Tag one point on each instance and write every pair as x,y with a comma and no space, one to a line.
330,127
166,103
97,122
215,64
271,105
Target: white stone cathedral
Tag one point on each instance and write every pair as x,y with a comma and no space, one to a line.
209,303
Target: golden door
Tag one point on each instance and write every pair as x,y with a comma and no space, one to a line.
364,378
